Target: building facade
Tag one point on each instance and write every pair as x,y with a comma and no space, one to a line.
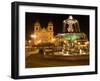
43,34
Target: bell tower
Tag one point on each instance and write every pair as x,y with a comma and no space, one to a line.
37,27
50,30
50,27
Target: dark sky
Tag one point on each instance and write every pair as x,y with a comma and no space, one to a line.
57,20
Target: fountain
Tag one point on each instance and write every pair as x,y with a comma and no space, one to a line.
76,40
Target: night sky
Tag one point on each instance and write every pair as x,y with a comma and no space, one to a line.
57,20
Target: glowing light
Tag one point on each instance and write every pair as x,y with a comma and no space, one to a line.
75,41
79,43
65,42
39,41
64,21
33,36
71,37
86,43
74,37
67,53
80,51
29,41
53,39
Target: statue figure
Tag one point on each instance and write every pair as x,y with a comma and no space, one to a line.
71,25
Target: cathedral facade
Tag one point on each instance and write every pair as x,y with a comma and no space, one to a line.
43,34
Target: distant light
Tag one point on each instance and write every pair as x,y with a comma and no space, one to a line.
33,36
39,41
80,51
79,43
86,42
64,21
53,39
29,41
75,41
65,41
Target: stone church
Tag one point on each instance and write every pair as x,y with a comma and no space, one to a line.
43,34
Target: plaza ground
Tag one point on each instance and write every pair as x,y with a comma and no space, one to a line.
38,60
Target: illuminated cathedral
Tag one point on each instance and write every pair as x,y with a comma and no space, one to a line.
43,34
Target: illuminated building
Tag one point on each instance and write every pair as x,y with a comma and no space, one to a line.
43,35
